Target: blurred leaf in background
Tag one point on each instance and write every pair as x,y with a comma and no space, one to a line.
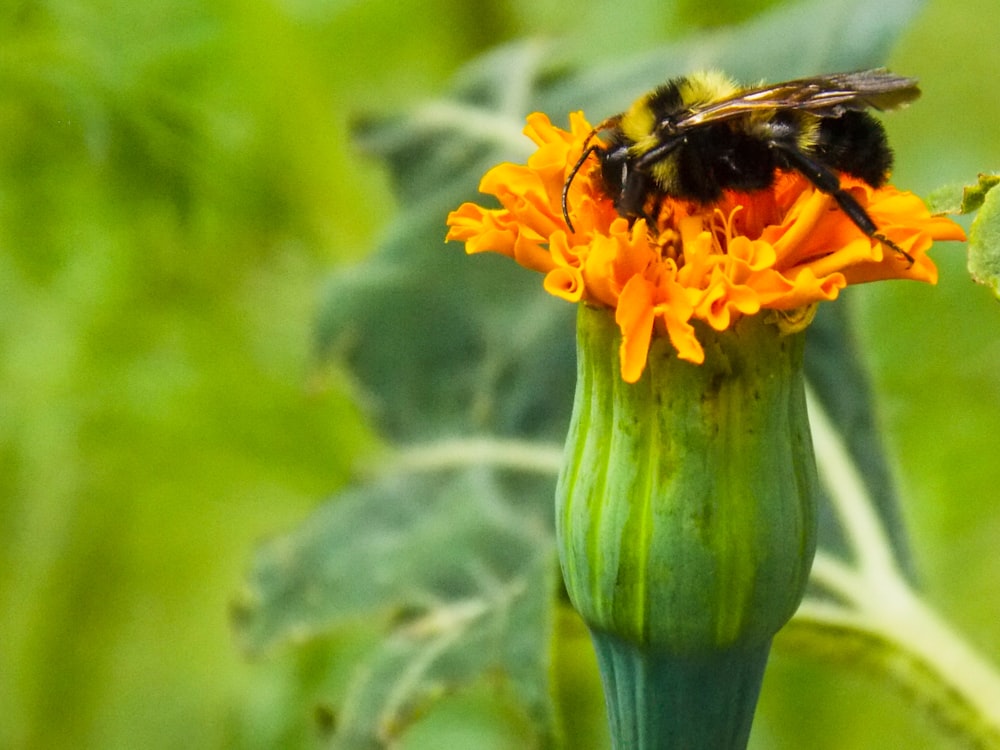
174,179
177,178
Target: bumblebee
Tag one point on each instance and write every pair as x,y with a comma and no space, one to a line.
698,135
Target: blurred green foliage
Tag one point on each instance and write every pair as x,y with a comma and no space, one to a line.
176,178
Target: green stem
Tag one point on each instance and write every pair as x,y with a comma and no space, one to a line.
715,694
889,630
966,686
882,621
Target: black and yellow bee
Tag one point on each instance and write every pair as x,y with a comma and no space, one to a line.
698,135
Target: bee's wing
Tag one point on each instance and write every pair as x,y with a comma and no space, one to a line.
825,96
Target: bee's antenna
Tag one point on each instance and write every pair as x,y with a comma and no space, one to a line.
587,151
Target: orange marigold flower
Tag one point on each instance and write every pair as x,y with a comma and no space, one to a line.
783,248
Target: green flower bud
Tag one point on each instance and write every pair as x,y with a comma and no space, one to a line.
686,522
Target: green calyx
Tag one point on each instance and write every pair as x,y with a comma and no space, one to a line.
686,523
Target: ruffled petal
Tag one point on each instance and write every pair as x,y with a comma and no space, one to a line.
782,248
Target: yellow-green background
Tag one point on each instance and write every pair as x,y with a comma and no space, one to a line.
175,180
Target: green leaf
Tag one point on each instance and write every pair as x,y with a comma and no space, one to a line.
454,567
947,199
974,196
442,343
962,199
984,234
445,344
984,239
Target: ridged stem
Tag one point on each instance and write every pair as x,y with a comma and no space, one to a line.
666,700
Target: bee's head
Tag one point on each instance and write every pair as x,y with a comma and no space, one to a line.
614,160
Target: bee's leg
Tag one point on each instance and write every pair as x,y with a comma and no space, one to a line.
826,179
859,216
631,201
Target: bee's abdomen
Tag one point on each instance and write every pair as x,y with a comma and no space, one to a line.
855,143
